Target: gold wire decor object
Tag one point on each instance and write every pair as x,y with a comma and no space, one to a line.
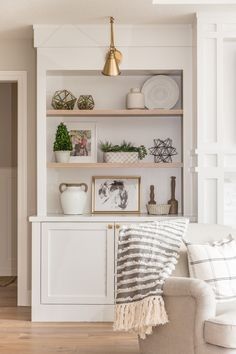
63,99
85,102
113,57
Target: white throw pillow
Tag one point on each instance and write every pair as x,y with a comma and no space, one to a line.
215,263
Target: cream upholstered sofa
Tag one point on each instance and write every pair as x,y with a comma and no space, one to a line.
197,324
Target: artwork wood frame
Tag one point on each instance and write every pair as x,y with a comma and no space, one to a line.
116,194
84,142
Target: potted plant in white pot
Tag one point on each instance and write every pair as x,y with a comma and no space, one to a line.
123,153
62,145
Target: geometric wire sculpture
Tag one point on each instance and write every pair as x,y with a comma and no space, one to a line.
85,102
162,150
63,99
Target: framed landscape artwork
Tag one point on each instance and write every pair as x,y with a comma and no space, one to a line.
116,194
84,142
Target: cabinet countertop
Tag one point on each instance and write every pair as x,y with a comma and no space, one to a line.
103,218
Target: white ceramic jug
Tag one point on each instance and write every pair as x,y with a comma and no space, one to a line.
135,99
73,197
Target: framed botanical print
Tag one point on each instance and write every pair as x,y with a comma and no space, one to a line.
84,141
116,194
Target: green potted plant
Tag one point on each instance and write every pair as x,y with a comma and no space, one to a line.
124,153
62,145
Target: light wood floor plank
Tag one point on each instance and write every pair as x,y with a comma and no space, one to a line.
18,335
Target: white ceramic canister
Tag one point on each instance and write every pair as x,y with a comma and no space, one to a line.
73,197
62,156
135,99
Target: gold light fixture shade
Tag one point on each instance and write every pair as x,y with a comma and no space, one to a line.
111,67
113,57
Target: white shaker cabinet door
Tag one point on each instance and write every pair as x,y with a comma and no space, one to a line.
77,263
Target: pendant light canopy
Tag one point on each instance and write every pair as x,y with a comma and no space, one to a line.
113,57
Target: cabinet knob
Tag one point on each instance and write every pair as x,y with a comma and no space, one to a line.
110,226
117,226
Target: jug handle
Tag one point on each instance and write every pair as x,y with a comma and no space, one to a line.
63,186
83,185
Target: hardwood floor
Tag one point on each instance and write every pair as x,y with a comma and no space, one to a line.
19,336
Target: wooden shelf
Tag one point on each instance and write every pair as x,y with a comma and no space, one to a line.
115,165
115,113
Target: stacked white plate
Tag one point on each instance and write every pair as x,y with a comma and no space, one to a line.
161,92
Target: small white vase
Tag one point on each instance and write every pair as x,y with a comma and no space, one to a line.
62,156
73,198
135,99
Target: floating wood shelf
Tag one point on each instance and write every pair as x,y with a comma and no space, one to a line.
115,113
115,165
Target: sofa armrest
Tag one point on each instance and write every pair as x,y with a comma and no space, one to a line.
203,295
198,289
189,303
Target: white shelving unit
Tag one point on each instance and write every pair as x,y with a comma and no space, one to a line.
115,165
115,124
116,113
56,238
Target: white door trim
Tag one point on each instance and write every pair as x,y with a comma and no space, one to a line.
20,77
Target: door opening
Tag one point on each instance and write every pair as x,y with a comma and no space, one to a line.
8,194
15,146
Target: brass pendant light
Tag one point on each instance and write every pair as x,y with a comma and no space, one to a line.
113,57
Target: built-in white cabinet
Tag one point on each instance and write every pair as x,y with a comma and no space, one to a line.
77,263
73,266
73,271
73,257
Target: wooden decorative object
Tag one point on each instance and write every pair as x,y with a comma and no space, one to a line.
63,99
152,196
173,202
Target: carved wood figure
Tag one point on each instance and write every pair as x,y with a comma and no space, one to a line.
173,202
152,195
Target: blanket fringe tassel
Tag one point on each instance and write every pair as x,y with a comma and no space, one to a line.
140,316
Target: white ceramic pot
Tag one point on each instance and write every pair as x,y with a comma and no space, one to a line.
73,197
62,156
135,99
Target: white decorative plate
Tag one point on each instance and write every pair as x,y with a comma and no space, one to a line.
160,91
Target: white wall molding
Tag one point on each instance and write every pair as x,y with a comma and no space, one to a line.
87,36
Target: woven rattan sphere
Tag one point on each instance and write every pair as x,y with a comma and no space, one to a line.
63,99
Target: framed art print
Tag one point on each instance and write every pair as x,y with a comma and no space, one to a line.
84,142
116,194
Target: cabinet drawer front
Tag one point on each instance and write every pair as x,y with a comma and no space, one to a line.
77,263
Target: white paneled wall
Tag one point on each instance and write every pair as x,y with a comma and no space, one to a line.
216,118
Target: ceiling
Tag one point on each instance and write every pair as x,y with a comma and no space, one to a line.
18,16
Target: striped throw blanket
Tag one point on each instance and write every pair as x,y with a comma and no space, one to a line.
147,254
